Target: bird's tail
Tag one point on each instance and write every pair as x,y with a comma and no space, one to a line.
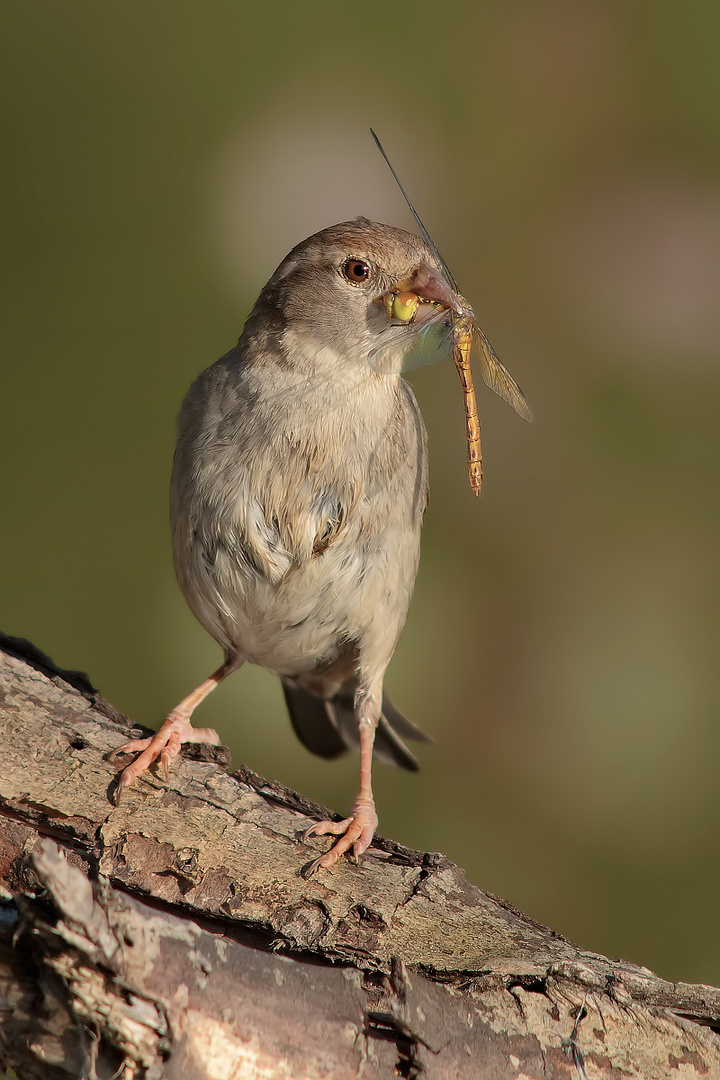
327,726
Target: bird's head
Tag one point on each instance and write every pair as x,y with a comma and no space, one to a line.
363,290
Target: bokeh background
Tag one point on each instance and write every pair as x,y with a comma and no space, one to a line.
158,162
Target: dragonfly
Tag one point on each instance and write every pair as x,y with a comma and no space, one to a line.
457,332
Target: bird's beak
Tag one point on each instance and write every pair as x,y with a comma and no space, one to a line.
426,285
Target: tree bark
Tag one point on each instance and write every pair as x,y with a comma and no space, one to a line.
175,936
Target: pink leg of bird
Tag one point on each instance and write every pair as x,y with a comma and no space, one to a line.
356,831
176,730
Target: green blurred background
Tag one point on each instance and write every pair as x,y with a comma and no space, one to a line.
160,159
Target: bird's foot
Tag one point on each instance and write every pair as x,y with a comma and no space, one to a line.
355,832
176,730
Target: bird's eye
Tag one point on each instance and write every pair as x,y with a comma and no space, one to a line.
356,271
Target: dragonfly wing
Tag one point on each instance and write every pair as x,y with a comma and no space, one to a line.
404,347
498,378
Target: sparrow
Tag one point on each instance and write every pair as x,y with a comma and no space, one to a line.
297,495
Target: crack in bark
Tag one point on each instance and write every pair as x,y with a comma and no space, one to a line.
385,1026
570,1045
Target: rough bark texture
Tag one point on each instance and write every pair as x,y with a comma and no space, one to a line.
175,936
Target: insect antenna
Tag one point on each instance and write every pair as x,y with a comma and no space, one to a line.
425,234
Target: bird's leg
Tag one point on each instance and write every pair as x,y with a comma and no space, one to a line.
356,831
175,731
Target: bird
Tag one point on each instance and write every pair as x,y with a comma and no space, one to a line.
298,489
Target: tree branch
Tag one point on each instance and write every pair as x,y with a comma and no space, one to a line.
175,936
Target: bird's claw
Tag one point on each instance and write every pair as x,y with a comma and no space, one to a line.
322,828
165,745
355,836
